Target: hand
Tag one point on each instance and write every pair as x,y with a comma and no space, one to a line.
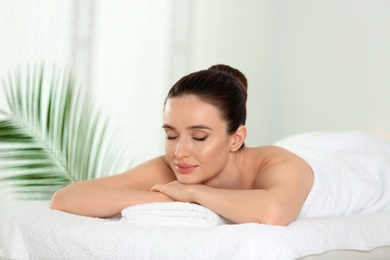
176,190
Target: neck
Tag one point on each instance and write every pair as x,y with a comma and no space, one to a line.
230,176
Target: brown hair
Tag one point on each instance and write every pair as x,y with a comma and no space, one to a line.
221,86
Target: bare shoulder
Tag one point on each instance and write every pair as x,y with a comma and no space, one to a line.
286,178
142,177
277,166
268,155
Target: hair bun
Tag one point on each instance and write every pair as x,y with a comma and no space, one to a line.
235,73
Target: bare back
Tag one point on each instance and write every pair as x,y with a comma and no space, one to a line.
286,175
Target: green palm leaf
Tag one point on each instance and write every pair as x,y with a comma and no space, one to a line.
52,136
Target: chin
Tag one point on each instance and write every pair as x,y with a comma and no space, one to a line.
186,179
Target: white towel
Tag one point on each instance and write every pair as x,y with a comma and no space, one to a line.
351,172
172,214
40,233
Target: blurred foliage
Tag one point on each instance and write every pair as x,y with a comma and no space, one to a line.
52,135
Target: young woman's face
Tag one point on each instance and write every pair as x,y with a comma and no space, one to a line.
197,144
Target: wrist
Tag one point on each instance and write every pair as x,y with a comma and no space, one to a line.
194,193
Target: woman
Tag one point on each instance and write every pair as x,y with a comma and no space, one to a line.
206,161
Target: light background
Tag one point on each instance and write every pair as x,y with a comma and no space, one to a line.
311,65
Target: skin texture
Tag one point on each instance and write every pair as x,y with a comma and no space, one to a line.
204,165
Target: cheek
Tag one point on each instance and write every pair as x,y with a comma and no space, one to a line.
169,149
212,155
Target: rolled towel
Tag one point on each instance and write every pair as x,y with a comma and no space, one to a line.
172,214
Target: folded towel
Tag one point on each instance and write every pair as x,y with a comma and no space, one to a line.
172,214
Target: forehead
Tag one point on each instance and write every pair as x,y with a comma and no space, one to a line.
190,110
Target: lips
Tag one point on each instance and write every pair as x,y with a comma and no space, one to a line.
185,168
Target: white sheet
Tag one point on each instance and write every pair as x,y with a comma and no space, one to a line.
40,233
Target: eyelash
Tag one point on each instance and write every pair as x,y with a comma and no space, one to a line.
200,139
197,139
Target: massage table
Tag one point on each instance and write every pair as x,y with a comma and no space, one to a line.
177,230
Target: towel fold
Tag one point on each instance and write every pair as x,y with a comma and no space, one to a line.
172,214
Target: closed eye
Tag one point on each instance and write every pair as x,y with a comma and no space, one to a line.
200,139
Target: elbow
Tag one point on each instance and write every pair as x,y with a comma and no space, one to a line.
275,221
275,215
56,201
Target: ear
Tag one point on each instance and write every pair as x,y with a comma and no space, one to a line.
238,138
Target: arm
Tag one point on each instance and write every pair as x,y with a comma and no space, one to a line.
277,198
239,206
107,196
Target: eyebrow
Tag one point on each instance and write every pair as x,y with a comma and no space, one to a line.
194,127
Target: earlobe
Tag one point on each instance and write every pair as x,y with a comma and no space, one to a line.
238,138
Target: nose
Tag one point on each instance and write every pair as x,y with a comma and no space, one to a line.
182,149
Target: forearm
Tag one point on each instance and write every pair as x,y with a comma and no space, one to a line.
241,206
95,200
